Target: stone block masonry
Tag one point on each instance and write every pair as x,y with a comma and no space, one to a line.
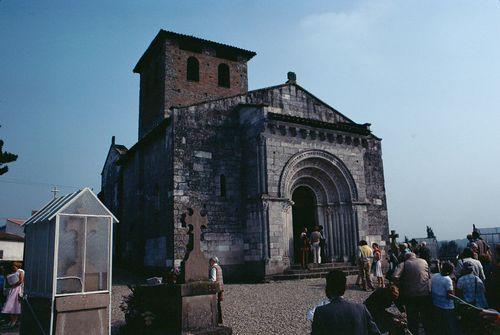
242,156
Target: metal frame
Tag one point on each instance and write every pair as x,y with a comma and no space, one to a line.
54,273
84,260
50,214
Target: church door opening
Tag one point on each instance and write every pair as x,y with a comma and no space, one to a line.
303,215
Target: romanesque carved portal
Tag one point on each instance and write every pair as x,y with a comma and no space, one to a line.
323,193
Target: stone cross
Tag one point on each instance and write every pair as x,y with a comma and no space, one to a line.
393,236
195,265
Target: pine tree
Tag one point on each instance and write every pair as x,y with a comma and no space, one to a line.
5,157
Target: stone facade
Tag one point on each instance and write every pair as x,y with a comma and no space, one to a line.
241,155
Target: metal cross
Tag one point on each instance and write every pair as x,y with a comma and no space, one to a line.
54,191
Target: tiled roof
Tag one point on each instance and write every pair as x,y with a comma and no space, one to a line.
10,237
219,47
17,221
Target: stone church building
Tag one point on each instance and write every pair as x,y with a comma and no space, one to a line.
263,164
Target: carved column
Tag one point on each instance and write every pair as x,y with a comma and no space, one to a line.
342,231
287,231
264,219
356,228
331,232
337,240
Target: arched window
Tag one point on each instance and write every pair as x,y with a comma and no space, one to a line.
223,75
193,69
222,182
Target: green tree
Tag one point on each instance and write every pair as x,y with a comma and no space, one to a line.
5,157
449,250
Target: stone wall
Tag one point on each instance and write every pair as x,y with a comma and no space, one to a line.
145,231
207,148
248,214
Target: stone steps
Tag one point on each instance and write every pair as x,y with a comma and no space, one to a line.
313,271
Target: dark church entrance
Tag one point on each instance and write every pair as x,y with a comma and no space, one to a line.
304,215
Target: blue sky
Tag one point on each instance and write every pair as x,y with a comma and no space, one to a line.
426,74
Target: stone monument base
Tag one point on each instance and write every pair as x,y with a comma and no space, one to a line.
189,308
221,330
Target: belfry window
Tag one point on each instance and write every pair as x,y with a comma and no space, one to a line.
223,75
193,69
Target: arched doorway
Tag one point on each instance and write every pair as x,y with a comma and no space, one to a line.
303,216
324,178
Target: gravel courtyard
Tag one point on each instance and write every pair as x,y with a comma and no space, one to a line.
271,308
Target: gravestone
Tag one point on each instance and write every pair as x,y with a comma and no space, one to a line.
195,264
188,307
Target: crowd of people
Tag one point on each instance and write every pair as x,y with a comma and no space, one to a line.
11,293
416,295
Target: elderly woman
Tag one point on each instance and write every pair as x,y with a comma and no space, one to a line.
215,275
15,281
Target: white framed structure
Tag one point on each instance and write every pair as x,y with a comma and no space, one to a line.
68,246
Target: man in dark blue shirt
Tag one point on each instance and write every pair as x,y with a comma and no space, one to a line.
341,316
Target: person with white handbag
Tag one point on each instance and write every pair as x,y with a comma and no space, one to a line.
15,281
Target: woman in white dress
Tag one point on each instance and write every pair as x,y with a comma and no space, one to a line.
15,281
377,265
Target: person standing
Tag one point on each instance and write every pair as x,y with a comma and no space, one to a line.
341,316
377,304
316,245
393,261
472,290
424,252
444,307
2,285
403,250
15,281
467,256
304,248
414,281
216,276
484,253
364,255
377,265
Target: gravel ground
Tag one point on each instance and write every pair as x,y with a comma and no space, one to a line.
271,308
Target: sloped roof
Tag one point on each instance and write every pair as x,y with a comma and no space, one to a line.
10,237
17,221
57,205
119,148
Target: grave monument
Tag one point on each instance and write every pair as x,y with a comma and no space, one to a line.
188,306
